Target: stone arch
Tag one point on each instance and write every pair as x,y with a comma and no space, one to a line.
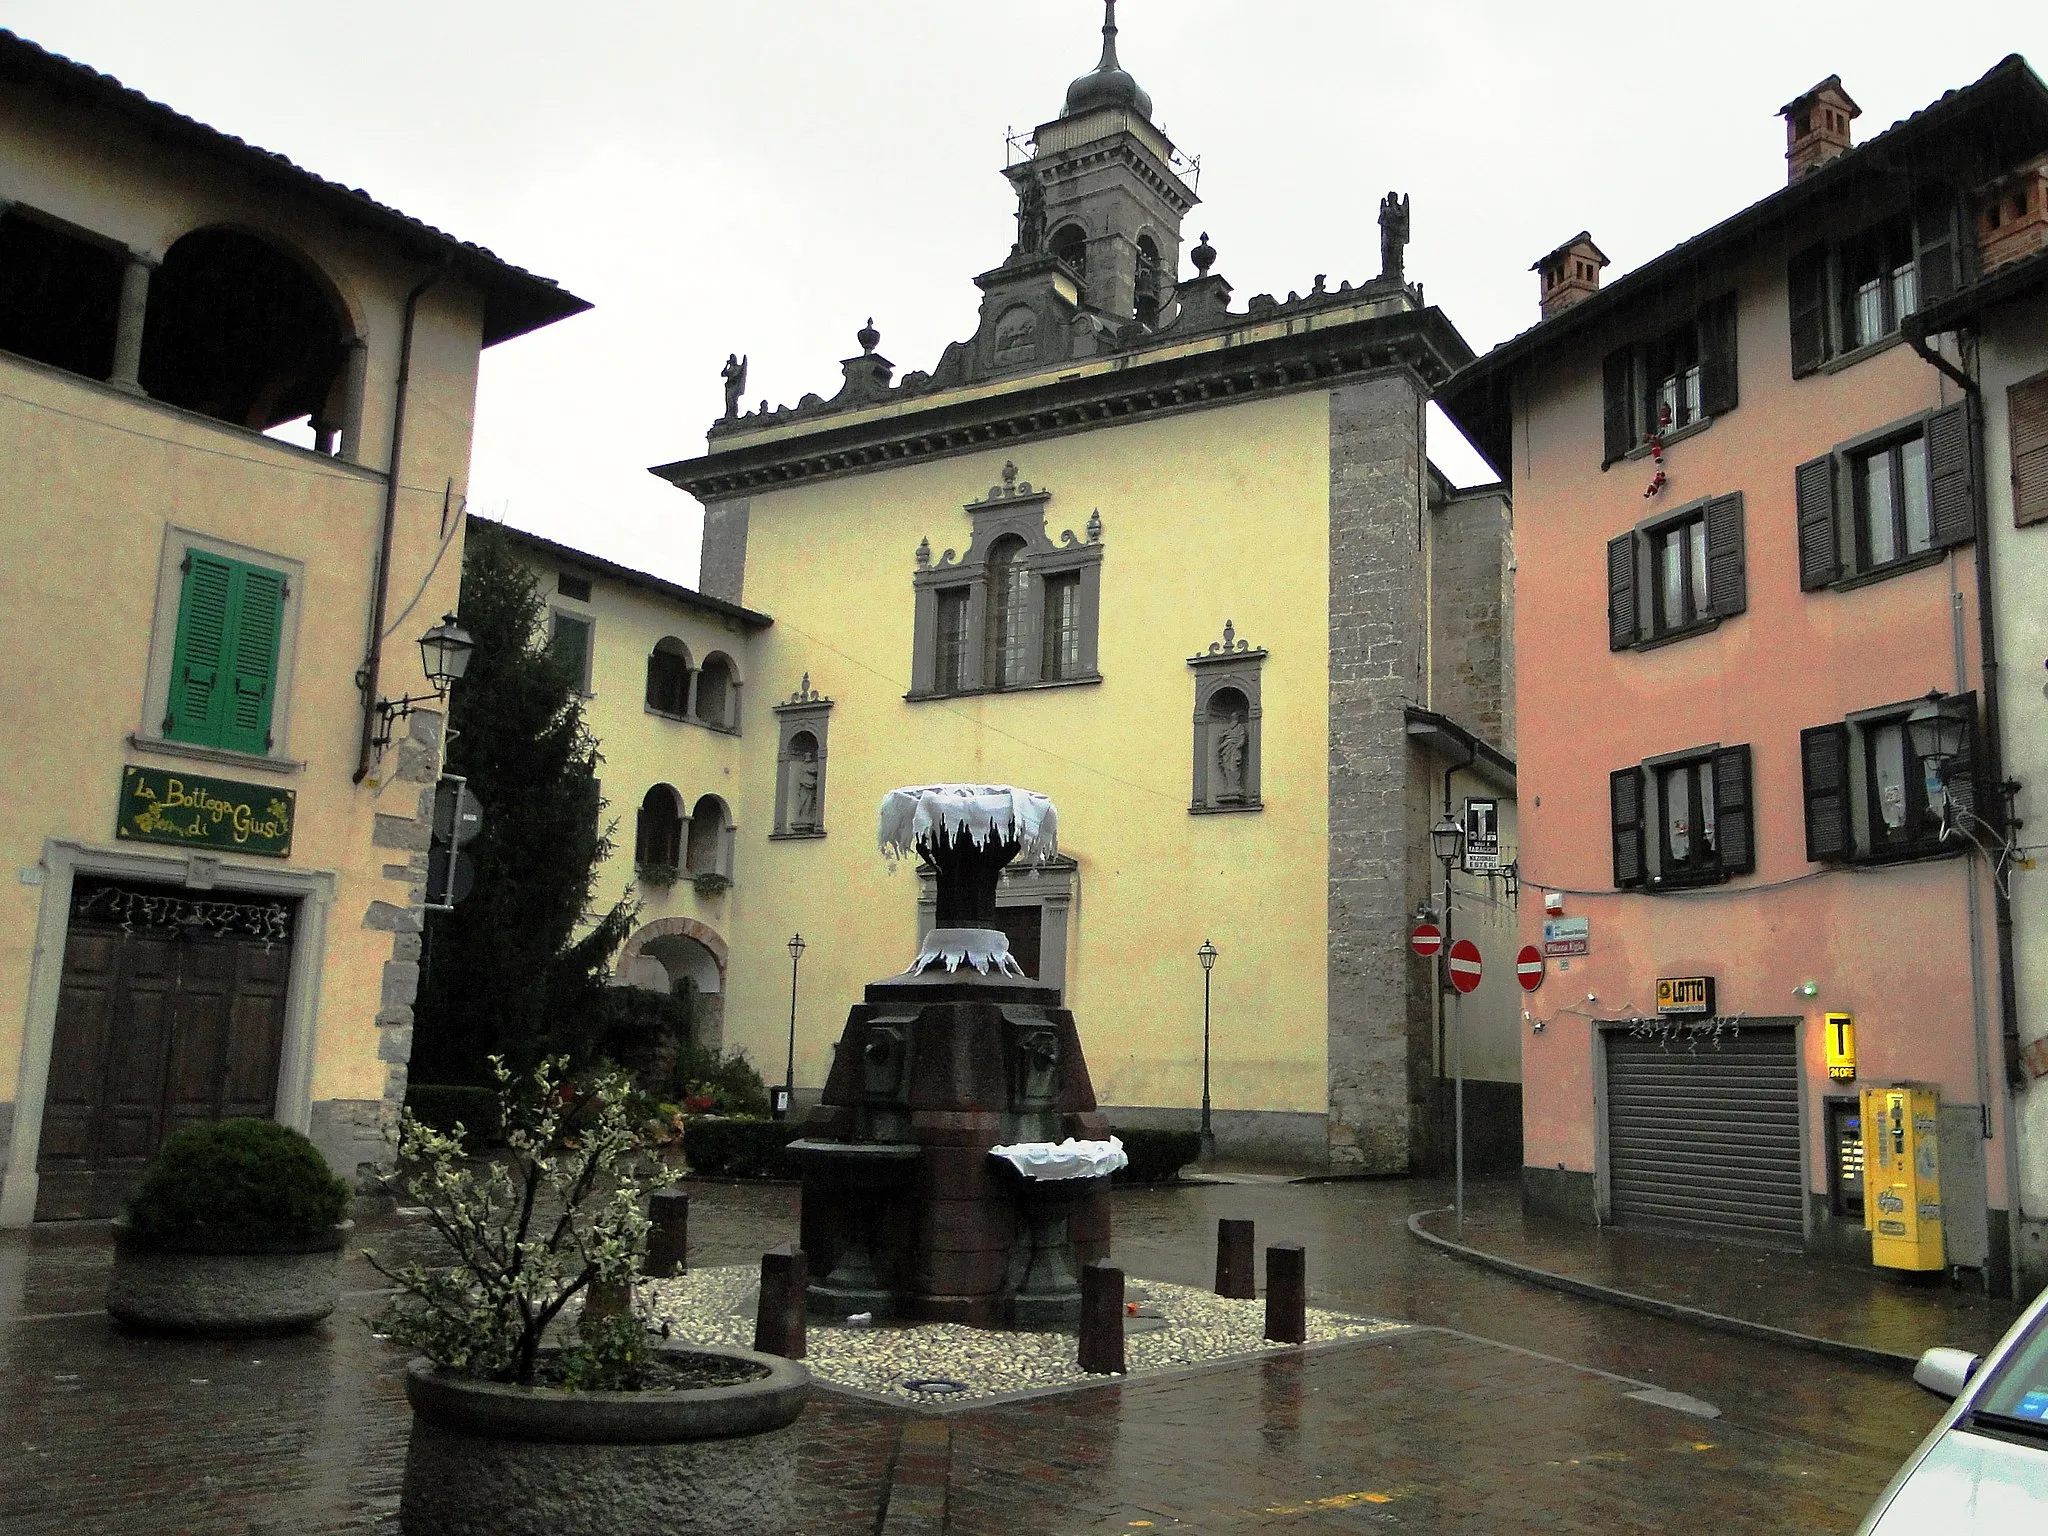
670,946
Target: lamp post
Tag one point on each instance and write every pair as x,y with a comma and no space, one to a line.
444,657
1207,955
786,1098
1447,841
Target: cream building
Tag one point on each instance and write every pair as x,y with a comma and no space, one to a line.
1182,566
235,407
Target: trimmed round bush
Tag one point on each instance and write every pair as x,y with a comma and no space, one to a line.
252,1178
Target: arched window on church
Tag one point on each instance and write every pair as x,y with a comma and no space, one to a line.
658,835
1070,244
1149,284
1009,582
668,677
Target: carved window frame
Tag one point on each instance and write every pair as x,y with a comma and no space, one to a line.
805,711
1228,663
1014,507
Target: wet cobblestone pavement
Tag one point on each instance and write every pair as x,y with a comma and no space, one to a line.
1508,1410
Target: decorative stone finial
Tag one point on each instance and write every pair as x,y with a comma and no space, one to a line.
1203,255
1095,526
868,337
924,554
1229,635
1009,476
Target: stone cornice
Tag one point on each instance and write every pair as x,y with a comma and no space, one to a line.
1420,341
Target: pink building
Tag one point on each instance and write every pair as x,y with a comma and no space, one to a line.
1748,522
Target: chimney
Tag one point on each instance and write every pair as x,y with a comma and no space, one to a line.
1569,273
1817,127
2012,215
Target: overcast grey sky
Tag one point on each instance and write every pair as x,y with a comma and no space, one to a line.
762,177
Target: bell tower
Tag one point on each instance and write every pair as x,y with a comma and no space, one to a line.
1101,194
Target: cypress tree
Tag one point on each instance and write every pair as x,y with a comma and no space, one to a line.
507,972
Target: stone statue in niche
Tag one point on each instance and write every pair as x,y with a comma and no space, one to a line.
1393,235
735,375
1017,336
1233,747
803,789
1030,216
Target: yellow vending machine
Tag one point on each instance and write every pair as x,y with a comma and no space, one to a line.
1902,1177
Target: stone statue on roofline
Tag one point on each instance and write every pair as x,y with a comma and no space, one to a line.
1393,235
735,375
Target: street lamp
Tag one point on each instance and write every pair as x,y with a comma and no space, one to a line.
1938,733
1207,955
785,1096
444,657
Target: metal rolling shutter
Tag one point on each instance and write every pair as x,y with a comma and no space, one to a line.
1706,1136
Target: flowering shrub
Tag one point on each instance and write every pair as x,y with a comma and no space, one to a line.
563,1213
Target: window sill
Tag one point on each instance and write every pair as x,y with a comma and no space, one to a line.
1856,355
702,725
1673,636
1675,435
1226,810
1871,577
164,747
808,835
971,693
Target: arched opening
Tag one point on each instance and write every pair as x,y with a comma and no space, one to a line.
1009,579
1230,746
709,844
1149,284
658,833
238,330
59,295
804,783
1070,244
718,693
668,677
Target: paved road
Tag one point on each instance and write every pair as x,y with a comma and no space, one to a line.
1508,1410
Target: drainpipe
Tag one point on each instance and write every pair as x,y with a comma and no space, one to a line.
373,661
1994,754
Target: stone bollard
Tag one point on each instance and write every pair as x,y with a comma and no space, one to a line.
1234,1260
779,1323
1102,1318
668,1244
1287,1293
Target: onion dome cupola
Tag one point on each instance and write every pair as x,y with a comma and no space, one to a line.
1108,84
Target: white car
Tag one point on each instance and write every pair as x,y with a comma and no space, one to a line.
1984,1467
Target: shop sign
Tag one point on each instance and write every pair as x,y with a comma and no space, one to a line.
1482,836
1841,1029
190,811
1567,936
1685,994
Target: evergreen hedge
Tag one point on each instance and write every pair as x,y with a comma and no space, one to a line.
248,1177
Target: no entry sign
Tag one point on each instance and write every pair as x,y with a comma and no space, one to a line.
1426,939
1529,967
1465,965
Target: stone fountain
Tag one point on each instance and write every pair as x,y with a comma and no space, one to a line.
907,1212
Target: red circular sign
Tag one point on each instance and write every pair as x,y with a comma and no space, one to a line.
1426,940
1529,967
1465,965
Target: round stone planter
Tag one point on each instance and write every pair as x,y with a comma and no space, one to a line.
488,1459
214,1283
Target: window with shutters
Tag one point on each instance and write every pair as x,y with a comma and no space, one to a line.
1870,798
1847,297
222,652
571,639
2027,418
1890,501
1677,574
1683,819
1671,383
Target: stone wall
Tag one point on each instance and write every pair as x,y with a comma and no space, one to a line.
1472,640
722,562
1376,660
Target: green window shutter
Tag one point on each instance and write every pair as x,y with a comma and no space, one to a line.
196,707
259,621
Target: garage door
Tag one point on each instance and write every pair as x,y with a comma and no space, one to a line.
1704,1134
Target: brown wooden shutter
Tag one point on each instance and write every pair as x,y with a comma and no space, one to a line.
1625,797
1727,581
1623,628
1718,386
1937,251
2027,413
1807,281
1820,560
1951,487
1824,780
1617,377
1734,820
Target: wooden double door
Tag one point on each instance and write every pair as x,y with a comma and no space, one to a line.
172,1010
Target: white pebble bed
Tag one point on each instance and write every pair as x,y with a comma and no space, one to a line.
1199,1328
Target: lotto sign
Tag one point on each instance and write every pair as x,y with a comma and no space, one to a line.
1529,967
1426,940
1465,965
